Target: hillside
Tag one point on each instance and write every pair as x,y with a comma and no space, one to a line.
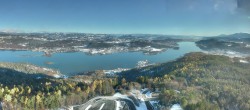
25,87
239,42
199,81
29,69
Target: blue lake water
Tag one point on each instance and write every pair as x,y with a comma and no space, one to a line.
68,63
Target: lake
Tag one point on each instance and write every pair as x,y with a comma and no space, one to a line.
69,63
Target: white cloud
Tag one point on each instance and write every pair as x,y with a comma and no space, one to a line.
225,6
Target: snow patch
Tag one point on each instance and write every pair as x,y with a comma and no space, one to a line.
120,95
177,91
88,107
154,102
102,106
230,54
155,50
114,71
244,61
57,76
148,94
176,107
118,105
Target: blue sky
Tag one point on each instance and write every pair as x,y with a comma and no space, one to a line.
178,17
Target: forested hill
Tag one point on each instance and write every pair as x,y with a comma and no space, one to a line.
191,61
22,88
202,81
239,42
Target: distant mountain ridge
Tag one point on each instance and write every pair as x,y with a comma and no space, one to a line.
238,42
235,35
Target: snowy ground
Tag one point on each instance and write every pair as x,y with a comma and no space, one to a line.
244,61
121,101
231,54
176,107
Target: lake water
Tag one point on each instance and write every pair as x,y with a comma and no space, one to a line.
68,63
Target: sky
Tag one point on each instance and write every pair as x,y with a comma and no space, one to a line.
172,17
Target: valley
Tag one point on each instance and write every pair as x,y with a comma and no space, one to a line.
194,79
